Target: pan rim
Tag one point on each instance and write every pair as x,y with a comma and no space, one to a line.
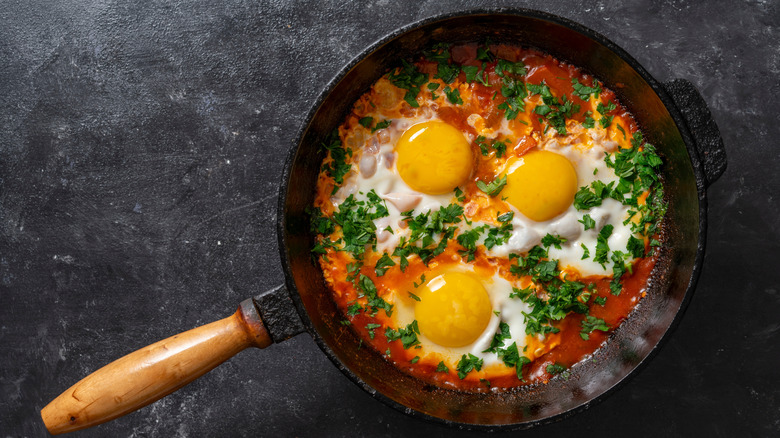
668,103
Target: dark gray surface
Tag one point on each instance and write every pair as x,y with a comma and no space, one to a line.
140,158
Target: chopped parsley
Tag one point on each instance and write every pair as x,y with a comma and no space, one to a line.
383,264
410,79
506,217
589,121
494,187
468,240
618,269
447,72
483,146
441,55
484,54
469,363
371,327
408,335
498,146
555,110
587,222
506,68
562,296
585,251
474,73
439,52
453,95
638,168
514,92
319,223
589,197
381,125
622,131
555,368
338,166
550,240
353,269
583,91
513,89
373,301
535,265
424,227
521,293
591,323
356,219
366,122
498,338
509,355
602,246
512,358
498,235
635,247
459,195
605,120
562,300
442,368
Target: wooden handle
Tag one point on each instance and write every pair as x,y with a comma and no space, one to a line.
153,372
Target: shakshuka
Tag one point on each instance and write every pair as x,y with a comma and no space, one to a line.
486,215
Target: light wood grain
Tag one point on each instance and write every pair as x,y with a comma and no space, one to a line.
153,372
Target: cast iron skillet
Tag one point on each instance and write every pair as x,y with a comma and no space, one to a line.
672,115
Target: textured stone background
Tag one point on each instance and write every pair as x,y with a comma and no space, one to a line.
140,154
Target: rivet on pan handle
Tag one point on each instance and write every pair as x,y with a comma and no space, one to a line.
709,143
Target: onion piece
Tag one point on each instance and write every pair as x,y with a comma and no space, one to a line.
367,166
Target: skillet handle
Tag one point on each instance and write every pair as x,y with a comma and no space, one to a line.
153,372
697,115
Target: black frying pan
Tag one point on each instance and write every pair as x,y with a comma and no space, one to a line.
672,115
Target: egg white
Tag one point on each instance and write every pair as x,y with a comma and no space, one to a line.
506,309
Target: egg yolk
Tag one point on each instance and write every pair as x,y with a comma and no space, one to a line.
454,309
433,157
541,184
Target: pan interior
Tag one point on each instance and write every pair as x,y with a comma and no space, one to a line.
627,347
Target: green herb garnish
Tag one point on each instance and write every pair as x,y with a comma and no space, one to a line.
466,364
494,187
591,323
408,335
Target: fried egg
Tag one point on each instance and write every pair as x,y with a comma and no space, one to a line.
458,309
544,204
